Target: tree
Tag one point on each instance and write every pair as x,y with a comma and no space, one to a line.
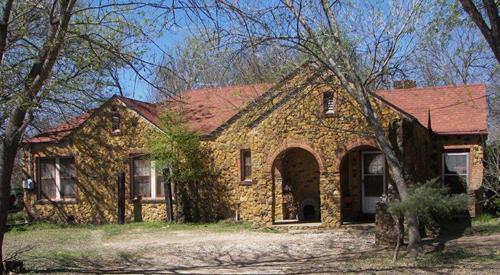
491,182
177,148
362,44
61,55
487,19
450,50
429,200
197,61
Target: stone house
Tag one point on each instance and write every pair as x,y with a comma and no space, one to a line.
297,151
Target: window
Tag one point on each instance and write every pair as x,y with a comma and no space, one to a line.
328,103
373,174
148,179
456,171
57,178
115,123
246,165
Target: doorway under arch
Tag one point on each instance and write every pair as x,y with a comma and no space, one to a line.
296,190
363,180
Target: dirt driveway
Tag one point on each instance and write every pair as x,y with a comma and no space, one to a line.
204,251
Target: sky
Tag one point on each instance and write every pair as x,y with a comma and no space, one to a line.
137,88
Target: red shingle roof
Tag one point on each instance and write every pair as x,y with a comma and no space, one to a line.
57,133
207,109
148,110
453,109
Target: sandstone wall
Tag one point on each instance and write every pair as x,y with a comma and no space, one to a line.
291,117
99,155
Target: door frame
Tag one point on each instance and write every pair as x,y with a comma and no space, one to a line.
363,153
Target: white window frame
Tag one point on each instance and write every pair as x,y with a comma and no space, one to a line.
152,180
58,178
443,167
384,183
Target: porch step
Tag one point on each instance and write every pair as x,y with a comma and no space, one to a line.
297,227
359,226
317,226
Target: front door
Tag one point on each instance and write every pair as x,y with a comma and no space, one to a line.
373,180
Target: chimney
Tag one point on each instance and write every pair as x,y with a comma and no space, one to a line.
404,84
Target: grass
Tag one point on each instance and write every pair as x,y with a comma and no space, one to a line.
484,224
15,218
45,245
117,229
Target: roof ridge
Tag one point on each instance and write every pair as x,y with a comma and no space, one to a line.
433,87
133,99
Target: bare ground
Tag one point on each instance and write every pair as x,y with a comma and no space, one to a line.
201,251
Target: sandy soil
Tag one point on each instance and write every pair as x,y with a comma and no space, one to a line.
251,252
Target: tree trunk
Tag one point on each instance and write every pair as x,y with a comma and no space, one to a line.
167,186
1,253
490,32
10,146
395,164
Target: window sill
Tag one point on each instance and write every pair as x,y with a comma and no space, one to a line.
60,201
329,115
246,182
150,200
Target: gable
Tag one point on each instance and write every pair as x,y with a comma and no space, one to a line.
146,111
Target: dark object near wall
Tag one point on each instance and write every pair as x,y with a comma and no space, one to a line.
14,266
121,198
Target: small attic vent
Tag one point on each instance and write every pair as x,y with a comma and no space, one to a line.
116,121
328,103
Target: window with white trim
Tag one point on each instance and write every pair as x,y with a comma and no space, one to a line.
147,178
456,171
57,178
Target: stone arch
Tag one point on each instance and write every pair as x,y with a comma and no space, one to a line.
348,162
350,145
296,177
290,145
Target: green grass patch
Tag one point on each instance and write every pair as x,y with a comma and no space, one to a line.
455,256
15,218
117,229
484,224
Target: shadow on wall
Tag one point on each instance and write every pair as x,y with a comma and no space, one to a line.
202,201
100,154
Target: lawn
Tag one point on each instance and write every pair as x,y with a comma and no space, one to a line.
226,247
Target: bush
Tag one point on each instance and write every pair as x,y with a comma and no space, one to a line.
431,202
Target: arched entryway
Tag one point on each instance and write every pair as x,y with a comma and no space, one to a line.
363,180
296,189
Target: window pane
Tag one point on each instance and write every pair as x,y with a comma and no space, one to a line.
374,186
457,184
374,164
48,178
142,167
67,175
142,179
116,122
455,164
68,188
247,165
160,190
142,186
